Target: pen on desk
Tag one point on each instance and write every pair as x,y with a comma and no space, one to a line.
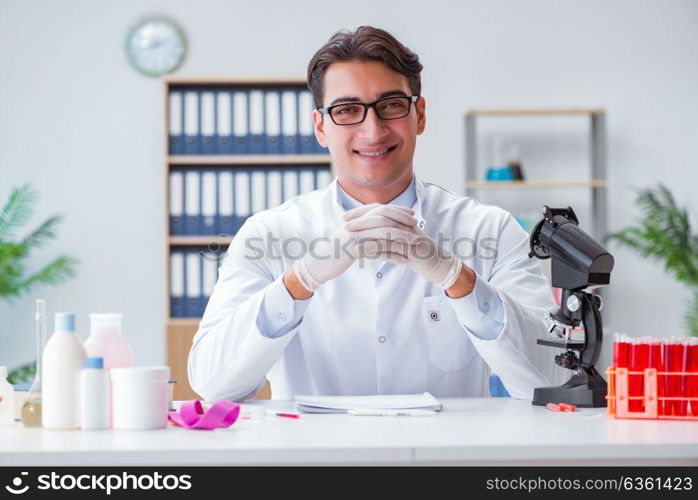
281,414
392,413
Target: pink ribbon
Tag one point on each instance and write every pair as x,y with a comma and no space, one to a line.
191,415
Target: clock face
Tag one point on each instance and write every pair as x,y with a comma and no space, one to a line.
156,46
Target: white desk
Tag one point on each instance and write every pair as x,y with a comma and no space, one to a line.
469,431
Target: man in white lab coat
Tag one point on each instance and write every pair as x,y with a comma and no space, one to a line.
380,283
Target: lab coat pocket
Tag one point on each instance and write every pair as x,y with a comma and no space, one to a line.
450,348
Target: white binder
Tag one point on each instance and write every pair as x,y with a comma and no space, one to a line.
273,119
223,114
306,107
175,113
240,114
191,114
208,202
259,201
193,292
256,112
307,181
191,201
242,194
290,184
176,197
208,118
289,115
177,275
274,182
225,203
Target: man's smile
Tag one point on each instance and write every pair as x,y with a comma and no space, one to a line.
375,153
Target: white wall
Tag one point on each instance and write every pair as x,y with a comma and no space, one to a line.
85,129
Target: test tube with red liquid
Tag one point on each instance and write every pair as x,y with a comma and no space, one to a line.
676,350
692,380
656,360
621,351
621,348
639,360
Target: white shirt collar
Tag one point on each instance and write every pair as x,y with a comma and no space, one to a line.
405,199
412,197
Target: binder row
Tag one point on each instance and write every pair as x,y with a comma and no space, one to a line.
193,274
239,120
214,202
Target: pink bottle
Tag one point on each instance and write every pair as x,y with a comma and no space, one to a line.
105,341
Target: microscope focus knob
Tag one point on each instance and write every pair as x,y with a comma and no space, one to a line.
573,303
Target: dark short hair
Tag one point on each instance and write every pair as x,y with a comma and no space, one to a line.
364,44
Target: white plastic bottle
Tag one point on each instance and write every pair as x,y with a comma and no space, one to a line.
7,399
62,362
94,395
106,342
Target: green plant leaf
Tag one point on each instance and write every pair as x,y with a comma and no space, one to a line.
17,211
11,268
46,231
54,273
664,235
13,254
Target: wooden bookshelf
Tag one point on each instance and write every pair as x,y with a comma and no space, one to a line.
279,160
597,158
179,332
200,241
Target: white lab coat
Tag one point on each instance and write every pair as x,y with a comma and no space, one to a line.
360,334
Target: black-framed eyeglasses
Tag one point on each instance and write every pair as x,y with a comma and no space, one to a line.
388,108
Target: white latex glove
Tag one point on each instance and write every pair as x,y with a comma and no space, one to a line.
402,243
329,257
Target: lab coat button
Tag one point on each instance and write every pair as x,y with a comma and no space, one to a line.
485,307
421,224
434,316
379,275
381,339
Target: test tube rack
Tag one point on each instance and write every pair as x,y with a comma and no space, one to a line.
619,395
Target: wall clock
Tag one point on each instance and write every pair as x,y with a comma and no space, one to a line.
156,46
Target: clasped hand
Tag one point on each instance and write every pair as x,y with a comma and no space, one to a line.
391,233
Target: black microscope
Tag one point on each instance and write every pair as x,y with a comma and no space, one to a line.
579,264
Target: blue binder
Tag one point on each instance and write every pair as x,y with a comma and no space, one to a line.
207,112
243,197
193,284
176,203
192,202
209,203
177,285
176,122
227,222
241,121
272,120
289,121
192,122
224,123
306,135
257,139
